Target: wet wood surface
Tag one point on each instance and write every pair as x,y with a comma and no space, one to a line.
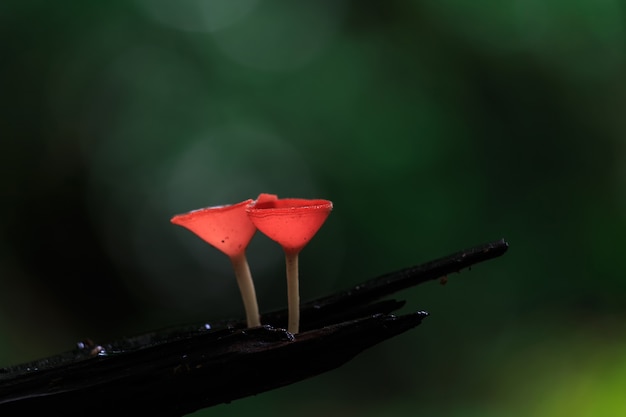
177,371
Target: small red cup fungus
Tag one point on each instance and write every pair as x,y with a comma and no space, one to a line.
229,229
291,222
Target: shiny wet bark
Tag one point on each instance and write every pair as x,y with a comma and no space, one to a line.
178,371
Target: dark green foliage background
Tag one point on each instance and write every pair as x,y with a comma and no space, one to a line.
432,126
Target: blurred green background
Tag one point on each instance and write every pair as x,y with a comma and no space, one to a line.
432,125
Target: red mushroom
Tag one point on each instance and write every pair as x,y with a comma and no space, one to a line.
229,229
291,222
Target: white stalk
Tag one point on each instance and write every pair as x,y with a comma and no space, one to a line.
246,287
293,292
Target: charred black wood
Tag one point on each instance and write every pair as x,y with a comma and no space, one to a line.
178,371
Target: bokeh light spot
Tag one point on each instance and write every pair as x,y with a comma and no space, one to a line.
197,15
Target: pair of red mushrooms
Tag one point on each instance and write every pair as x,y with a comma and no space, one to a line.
291,222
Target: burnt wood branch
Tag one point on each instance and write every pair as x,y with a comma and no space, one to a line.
178,371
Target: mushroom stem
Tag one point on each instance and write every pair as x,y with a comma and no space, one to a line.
293,291
246,287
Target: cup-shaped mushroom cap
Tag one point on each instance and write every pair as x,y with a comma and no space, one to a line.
265,198
291,222
227,228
